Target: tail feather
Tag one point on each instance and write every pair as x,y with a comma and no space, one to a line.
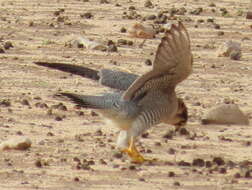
74,69
95,102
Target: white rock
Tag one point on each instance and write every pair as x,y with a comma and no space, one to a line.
18,143
225,114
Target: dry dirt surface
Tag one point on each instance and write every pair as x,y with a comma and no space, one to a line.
72,148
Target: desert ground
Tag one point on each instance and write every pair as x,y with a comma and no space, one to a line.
73,148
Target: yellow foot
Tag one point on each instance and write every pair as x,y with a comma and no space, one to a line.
135,155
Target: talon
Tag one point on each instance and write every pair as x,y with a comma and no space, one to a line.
134,154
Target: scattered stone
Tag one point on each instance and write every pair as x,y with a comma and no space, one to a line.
5,103
171,174
132,167
2,50
183,131
176,183
208,164
216,26
112,48
140,31
171,151
38,163
237,175
184,163
93,113
8,45
230,49
198,162
151,17
25,102
223,170
123,30
82,42
148,4
219,161
226,114
249,15
197,11
17,143
168,134
148,62
87,15
220,33
104,1
118,155
132,8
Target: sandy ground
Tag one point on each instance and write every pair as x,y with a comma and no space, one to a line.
74,149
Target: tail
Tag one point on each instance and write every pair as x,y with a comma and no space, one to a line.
74,69
96,102
110,78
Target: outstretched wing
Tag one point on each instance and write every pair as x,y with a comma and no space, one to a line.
172,64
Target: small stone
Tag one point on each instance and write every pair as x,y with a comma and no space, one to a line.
249,15
148,4
184,163
197,11
208,164
112,48
168,135
235,55
87,15
171,174
132,8
216,26
2,50
247,174
176,183
223,170
219,161
237,175
183,131
145,135
104,2
118,155
123,30
141,179
132,167
25,102
93,113
148,62
38,163
58,118
8,45
171,151
151,17
198,162
122,42
220,33
5,103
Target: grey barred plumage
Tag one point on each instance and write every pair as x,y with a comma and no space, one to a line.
149,99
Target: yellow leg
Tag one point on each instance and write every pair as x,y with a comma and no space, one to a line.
133,153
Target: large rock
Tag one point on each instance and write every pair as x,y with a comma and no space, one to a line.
225,114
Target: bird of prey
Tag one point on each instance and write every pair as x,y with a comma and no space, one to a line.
145,100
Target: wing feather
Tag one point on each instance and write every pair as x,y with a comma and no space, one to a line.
172,64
